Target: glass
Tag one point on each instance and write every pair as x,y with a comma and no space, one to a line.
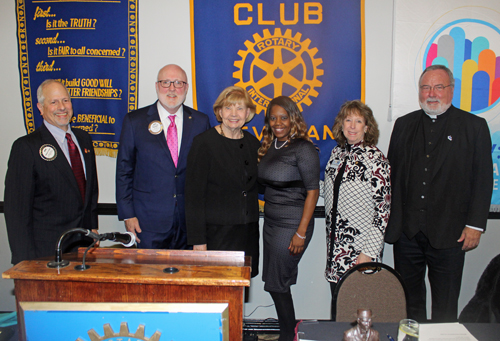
408,330
436,88
177,84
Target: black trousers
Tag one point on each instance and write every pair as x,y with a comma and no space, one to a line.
333,286
412,258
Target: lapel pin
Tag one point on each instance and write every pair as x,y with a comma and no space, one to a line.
155,127
190,117
48,152
450,138
86,151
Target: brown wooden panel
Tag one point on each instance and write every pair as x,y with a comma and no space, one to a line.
69,291
121,275
231,258
133,273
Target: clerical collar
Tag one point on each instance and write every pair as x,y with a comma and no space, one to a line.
440,116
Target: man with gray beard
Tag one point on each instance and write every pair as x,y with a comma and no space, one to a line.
442,180
151,163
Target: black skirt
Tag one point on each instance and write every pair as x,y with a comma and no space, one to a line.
244,237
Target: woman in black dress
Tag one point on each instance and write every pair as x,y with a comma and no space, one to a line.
289,170
222,210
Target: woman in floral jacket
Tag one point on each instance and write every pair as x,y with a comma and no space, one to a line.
357,193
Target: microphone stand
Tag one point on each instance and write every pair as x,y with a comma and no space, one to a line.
59,262
83,266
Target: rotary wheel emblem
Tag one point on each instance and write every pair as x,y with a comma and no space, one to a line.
110,335
279,64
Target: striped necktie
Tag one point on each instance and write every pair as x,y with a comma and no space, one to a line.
76,165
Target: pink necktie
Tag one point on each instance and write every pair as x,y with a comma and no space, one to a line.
172,141
76,165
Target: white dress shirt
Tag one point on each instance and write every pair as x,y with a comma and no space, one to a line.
165,121
60,137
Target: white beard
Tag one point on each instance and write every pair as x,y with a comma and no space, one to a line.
441,108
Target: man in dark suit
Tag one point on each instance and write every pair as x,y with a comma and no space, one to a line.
442,180
151,164
51,182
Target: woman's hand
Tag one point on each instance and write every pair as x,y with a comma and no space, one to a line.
362,258
296,245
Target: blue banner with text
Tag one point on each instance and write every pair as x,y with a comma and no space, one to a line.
309,51
92,48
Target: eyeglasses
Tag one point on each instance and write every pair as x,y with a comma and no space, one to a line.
177,84
435,88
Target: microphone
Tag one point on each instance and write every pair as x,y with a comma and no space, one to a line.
126,238
92,235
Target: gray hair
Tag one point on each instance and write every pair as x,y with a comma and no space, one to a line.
438,67
172,65
39,92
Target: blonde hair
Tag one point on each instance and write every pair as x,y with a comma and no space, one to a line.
233,95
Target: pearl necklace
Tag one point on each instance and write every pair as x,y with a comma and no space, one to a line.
276,144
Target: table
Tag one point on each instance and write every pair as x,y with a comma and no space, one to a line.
315,330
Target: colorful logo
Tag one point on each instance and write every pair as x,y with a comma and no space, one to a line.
110,335
469,48
276,65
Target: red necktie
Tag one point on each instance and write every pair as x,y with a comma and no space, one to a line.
172,140
76,165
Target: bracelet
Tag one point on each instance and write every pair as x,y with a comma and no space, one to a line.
298,235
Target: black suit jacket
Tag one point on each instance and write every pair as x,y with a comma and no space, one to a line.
461,184
42,199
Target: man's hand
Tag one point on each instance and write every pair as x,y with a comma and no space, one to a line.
96,232
470,237
201,247
132,225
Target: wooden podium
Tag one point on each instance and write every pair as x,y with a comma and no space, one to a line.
137,275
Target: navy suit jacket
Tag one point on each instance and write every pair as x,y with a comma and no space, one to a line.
461,184
42,199
148,185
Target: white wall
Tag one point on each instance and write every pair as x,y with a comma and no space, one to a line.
160,45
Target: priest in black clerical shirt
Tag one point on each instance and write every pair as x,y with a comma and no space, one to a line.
442,181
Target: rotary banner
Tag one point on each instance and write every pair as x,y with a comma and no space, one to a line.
92,48
464,35
309,51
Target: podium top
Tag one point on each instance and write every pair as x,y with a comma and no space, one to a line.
142,266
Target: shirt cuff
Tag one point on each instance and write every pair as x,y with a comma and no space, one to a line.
475,228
